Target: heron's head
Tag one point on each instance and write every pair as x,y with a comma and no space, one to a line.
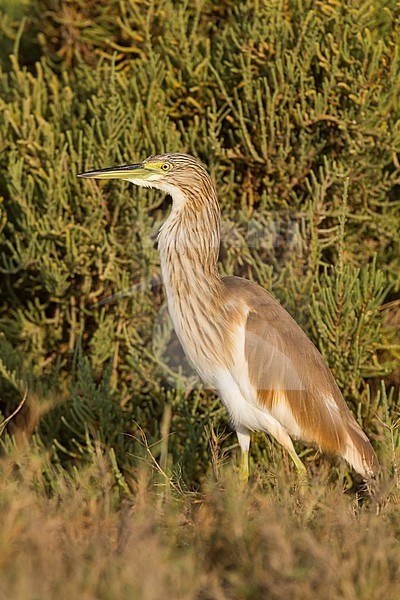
177,174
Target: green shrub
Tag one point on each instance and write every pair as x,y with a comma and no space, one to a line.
287,105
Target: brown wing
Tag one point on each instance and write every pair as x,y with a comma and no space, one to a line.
289,374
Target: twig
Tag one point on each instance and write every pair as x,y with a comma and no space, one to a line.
20,405
145,444
392,428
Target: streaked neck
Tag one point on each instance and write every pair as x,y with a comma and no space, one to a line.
189,243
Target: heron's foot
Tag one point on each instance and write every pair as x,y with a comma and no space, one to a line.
244,471
301,473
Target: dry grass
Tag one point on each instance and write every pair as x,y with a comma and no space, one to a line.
74,536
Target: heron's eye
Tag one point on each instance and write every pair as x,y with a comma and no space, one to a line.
166,167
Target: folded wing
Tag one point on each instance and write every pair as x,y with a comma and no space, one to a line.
293,382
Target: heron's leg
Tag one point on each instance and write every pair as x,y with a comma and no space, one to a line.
301,471
244,470
243,436
300,468
273,427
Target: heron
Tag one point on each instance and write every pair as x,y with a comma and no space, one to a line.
241,341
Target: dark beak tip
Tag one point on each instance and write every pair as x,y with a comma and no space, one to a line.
118,169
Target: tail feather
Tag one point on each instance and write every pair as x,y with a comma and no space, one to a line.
359,452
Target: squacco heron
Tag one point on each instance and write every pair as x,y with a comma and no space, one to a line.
242,342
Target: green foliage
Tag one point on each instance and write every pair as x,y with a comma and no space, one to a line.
89,415
292,106
345,311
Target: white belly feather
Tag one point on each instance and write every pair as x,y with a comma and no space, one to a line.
239,396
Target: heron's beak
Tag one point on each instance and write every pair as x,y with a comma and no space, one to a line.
137,171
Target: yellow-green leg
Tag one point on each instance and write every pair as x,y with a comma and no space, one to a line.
243,435
244,470
301,471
